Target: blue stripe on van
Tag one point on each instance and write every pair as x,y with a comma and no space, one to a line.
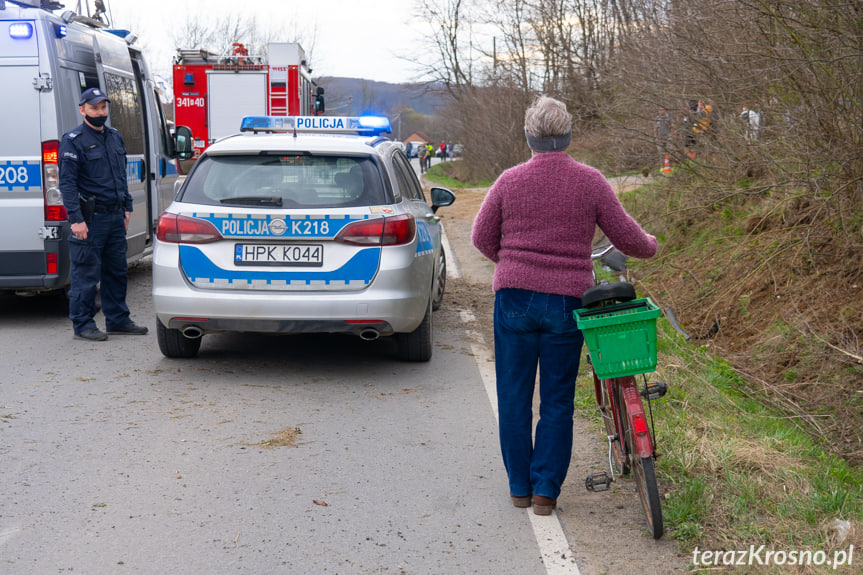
20,174
134,169
168,168
362,267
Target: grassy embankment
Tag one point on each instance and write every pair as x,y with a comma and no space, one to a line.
741,465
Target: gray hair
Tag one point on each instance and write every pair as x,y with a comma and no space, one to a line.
547,117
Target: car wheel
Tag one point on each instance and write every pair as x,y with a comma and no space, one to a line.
441,281
172,343
417,345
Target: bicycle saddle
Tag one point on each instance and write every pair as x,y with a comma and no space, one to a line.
608,292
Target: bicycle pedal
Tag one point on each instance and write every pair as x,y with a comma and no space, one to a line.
654,390
598,481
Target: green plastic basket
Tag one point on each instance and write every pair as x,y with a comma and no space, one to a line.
621,338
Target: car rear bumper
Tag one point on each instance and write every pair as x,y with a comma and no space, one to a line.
192,327
27,270
389,305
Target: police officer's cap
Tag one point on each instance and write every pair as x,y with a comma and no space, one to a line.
93,96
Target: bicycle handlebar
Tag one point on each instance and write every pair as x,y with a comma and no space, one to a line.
601,251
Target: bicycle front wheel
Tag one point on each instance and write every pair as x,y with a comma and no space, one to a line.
642,467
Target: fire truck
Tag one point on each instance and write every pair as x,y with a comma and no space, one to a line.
213,93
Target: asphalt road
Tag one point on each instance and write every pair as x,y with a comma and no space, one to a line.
117,460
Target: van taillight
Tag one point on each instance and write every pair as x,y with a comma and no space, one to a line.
54,209
51,263
177,229
393,231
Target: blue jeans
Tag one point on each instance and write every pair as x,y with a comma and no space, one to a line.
529,328
101,258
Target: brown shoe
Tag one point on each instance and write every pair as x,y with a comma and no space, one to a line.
522,502
543,505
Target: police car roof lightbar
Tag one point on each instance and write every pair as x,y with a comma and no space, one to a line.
358,125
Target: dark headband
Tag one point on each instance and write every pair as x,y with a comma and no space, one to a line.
549,143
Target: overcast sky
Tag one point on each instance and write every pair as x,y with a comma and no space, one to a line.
350,38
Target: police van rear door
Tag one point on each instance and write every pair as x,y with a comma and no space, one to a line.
117,77
22,209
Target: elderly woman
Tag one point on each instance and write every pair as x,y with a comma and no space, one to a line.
537,225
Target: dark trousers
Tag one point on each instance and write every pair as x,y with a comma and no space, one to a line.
99,258
533,328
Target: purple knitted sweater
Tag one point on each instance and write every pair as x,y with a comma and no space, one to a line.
538,220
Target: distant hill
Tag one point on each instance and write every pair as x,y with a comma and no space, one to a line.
353,96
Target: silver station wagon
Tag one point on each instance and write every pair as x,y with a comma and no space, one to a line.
301,225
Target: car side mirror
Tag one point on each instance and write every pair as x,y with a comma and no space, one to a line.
441,197
183,143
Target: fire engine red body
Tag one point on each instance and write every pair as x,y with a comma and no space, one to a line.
213,93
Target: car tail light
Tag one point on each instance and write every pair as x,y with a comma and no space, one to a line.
54,209
177,229
393,231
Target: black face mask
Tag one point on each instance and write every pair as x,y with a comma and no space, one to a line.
97,121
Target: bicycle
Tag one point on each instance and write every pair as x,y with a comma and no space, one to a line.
620,333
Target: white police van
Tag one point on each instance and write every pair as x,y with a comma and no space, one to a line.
46,61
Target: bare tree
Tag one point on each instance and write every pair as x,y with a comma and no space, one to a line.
514,60
218,34
452,66
193,32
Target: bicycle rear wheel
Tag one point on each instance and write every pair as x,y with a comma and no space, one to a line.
643,469
648,492
611,412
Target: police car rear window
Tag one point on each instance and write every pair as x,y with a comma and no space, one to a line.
286,181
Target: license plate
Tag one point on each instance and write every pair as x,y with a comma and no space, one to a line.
279,255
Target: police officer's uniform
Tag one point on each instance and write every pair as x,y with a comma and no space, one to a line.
93,165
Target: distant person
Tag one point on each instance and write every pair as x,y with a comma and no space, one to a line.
429,156
409,149
689,119
537,224
443,151
703,119
96,195
449,149
422,154
663,125
752,118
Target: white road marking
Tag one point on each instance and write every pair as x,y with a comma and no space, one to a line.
557,555
452,270
6,534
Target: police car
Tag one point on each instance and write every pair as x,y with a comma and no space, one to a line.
301,225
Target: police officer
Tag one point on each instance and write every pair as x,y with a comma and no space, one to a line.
96,196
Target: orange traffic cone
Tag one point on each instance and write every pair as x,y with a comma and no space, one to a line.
666,168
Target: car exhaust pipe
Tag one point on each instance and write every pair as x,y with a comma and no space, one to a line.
370,334
192,332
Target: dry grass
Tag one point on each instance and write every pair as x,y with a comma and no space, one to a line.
287,437
780,300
